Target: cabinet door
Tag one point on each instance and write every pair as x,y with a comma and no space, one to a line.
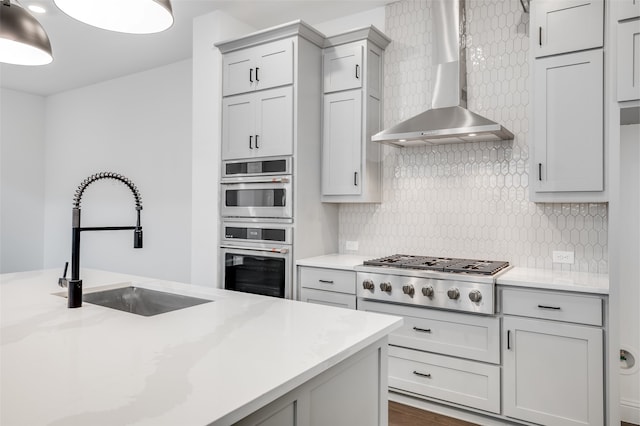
553,372
329,298
342,143
274,122
237,72
343,68
274,64
628,60
627,9
238,127
563,26
568,126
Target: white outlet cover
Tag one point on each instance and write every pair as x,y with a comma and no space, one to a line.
567,257
351,245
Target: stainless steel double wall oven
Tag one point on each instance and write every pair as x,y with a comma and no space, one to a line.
257,226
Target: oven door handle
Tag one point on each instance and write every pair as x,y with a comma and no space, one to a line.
281,250
254,179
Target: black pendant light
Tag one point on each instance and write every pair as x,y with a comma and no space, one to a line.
23,41
125,16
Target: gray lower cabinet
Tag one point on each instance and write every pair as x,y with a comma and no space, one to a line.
325,286
553,370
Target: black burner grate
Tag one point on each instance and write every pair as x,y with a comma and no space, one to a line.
445,264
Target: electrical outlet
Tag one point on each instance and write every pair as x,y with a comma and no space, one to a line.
351,245
563,257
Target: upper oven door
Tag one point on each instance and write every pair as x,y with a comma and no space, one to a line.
257,197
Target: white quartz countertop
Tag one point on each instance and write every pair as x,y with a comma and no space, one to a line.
209,364
334,261
583,282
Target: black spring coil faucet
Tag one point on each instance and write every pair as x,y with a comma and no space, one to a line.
74,284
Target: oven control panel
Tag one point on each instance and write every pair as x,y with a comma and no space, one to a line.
465,296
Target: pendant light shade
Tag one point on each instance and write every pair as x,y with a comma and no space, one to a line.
125,16
23,41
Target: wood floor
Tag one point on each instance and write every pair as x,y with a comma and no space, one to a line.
403,415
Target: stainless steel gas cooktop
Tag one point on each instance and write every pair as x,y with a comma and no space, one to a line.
439,282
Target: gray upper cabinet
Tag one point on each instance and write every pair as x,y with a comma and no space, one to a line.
563,26
352,113
257,68
566,136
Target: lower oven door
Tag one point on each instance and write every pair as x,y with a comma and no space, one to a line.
258,269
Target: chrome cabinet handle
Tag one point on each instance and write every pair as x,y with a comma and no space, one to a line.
427,375
422,330
553,308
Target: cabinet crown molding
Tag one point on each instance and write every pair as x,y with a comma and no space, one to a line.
371,33
290,29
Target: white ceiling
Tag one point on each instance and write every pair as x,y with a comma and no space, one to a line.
84,55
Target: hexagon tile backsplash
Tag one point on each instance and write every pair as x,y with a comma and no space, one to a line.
468,200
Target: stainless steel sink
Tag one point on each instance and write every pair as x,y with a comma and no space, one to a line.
142,301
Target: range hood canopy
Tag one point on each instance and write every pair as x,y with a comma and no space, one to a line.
448,121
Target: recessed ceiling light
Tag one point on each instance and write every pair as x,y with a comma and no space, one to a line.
36,9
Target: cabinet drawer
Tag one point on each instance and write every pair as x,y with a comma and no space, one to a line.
449,333
329,298
575,308
328,279
463,382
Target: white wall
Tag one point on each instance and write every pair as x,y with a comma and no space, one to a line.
629,262
22,181
207,94
357,20
138,126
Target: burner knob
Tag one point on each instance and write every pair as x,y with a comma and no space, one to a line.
385,287
453,293
408,289
427,291
475,296
368,285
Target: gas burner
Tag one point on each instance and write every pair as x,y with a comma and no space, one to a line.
484,267
444,264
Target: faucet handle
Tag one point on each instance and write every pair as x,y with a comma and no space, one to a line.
63,281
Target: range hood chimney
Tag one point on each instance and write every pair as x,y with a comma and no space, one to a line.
448,120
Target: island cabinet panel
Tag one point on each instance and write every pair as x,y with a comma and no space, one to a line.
567,26
353,392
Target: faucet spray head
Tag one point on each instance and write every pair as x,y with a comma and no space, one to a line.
137,238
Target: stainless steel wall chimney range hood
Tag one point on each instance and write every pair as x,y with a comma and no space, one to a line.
449,121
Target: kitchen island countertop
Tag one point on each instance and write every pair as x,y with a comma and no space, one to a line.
213,363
